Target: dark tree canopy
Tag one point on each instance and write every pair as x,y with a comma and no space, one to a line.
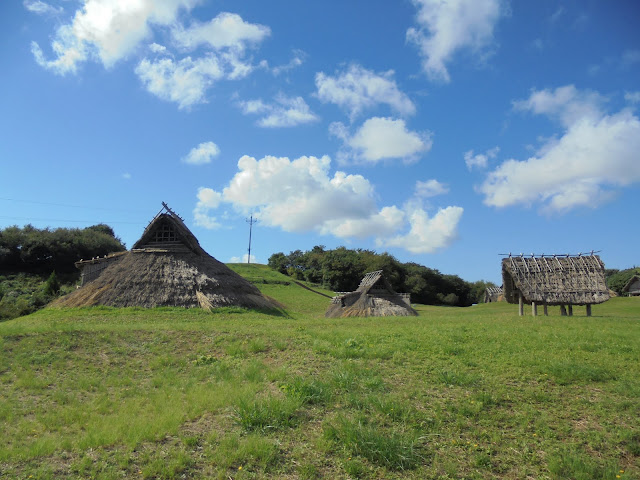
342,269
31,249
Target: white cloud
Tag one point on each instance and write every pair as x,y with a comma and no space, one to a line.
380,139
595,153
632,97
184,82
285,112
227,30
298,59
243,259
126,176
481,160
566,104
447,26
202,154
302,196
208,199
430,188
108,30
428,234
41,8
357,89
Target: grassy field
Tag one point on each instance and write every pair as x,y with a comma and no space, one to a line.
474,393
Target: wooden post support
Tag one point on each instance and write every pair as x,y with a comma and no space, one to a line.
570,310
534,309
563,311
588,309
520,305
546,310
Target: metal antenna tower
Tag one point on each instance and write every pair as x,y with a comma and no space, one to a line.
250,221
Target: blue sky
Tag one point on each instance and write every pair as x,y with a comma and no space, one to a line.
443,132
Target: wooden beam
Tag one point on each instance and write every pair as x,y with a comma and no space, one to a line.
520,305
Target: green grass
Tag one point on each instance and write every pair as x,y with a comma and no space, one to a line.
475,393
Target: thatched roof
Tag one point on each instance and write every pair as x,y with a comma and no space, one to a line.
632,281
167,267
555,279
374,297
493,294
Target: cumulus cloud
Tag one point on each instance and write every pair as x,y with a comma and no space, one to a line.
481,160
381,139
447,26
301,195
184,82
227,30
596,153
208,199
108,30
428,234
202,154
430,188
297,59
357,89
284,112
244,259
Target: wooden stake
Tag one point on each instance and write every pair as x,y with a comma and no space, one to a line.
588,309
546,310
570,310
563,311
534,309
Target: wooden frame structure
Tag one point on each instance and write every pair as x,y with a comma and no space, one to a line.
563,280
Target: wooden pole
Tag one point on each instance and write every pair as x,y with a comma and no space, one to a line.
563,311
588,309
570,310
520,305
546,310
534,309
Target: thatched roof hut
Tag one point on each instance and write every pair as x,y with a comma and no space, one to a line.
632,287
493,294
373,298
554,280
166,267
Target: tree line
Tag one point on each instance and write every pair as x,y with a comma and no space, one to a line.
341,270
34,250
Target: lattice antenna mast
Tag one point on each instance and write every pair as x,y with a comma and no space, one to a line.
250,221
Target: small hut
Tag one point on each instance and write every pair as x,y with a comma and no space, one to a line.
166,267
564,280
632,288
493,294
373,298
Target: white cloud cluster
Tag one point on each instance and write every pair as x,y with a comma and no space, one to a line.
227,30
285,112
202,154
357,89
111,30
481,160
381,138
447,26
243,259
595,152
108,30
302,196
430,188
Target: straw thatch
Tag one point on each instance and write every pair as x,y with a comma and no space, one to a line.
493,294
373,298
166,267
555,279
632,287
